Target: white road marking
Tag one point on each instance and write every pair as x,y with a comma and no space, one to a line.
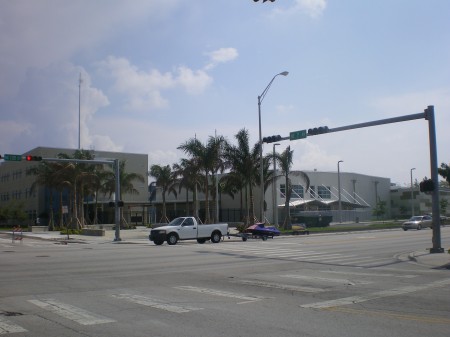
376,295
324,279
302,255
9,327
325,257
149,302
71,312
367,274
280,286
245,298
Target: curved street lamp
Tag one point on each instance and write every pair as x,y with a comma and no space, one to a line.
261,173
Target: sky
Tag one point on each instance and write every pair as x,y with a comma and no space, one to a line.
156,73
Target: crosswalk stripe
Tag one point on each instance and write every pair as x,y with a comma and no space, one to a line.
227,294
280,286
7,327
375,295
71,312
303,255
158,304
325,279
367,274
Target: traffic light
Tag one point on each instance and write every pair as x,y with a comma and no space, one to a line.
317,131
264,0
272,139
427,185
33,158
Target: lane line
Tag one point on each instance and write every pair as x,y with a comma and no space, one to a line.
376,295
71,312
157,304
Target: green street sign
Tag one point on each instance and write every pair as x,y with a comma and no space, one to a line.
13,157
297,135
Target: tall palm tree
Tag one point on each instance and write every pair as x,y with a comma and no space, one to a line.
97,182
75,176
190,179
219,144
285,162
244,163
206,158
46,175
165,179
126,180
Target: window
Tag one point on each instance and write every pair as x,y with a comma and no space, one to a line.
297,191
324,192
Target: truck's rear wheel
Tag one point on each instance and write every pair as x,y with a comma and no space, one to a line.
216,236
172,239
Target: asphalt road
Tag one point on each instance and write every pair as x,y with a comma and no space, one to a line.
359,284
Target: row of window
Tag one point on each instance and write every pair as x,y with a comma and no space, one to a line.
16,195
323,192
16,175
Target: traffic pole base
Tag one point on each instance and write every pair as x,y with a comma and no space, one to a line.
436,250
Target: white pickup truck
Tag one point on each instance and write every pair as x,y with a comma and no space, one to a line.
187,228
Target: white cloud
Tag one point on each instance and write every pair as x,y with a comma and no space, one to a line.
38,33
143,89
221,55
312,8
45,110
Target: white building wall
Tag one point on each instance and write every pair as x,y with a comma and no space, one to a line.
355,187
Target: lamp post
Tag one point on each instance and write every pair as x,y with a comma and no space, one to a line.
274,188
412,193
261,162
79,112
339,191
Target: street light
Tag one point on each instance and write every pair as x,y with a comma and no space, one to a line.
274,188
412,193
261,173
339,191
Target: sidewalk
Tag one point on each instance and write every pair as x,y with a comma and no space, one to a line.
435,260
140,236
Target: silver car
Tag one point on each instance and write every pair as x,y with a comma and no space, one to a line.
418,222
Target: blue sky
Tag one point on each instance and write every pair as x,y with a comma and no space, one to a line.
158,72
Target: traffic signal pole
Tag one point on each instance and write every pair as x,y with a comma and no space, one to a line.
428,115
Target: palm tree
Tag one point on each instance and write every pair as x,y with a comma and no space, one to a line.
46,175
285,162
165,179
98,183
206,157
126,180
244,165
75,177
219,145
190,179
444,172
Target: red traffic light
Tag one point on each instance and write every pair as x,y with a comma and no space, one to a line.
33,158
